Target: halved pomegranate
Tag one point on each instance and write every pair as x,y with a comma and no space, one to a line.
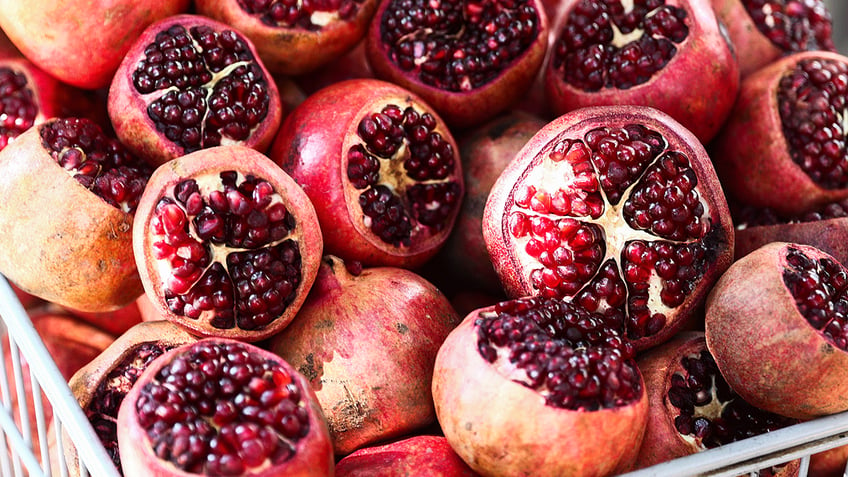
227,243
381,168
611,52
189,82
776,326
617,209
783,146
222,407
79,254
540,386
469,59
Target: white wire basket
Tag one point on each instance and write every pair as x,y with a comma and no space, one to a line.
29,454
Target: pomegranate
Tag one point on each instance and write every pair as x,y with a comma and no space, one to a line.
115,322
188,83
615,208
367,341
764,30
829,463
485,152
469,59
417,455
824,228
783,146
80,254
295,38
101,385
610,52
227,243
692,408
80,43
353,65
381,168
540,386
774,324
222,407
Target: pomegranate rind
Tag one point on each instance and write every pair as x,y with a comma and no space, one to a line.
83,230
312,146
705,56
307,231
313,455
85,42
765,348
366,397
417,455
128,108
466,108
508,257
827,235
293,50
502,428
753,49
752,155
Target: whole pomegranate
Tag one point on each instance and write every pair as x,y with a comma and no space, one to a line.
540,386
775,326
102,383
616,208
188,83
783,146
79,255
764,30
692,408
610,52
469,59
80,43
295,38
381,168
222,407
417,455
367,341
227,244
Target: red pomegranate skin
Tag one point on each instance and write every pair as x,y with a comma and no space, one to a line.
418,455
367,343
764,347
751,153
544,441
827,235
81,43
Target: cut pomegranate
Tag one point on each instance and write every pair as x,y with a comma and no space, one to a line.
469,59
784,145
189,83
227,243
380,167
80,254
775,324
222,407
611,52
764,30
539,386
294,38
615,208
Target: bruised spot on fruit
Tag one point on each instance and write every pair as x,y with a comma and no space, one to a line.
402,328
309,370
350,413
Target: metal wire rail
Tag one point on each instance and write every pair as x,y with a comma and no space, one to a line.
29,455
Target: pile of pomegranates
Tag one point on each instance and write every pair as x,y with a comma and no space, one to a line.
448,237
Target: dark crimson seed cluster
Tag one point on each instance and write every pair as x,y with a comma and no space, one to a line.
820,288
793,26
17,105
220,409
458,45
813,107
294,14
199,101
570,356
403,168
590,52
96,161
258,279
710,411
